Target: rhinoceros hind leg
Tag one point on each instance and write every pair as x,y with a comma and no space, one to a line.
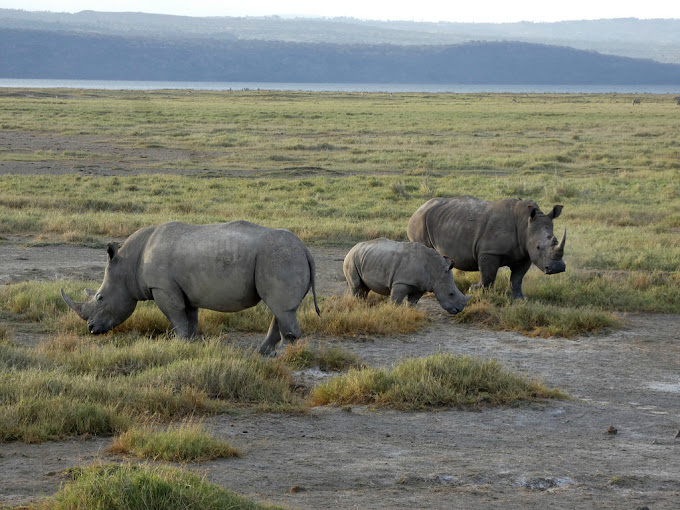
356,285
268,347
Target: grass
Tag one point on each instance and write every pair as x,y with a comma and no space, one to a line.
433,382
341,315
537,319
187,442
335,169
74,386
328,358
142,487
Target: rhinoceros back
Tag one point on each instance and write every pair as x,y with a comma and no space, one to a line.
451,226
229,266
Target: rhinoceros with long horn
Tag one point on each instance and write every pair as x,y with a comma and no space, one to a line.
225,267
484,236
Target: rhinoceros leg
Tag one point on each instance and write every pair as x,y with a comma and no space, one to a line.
173,306
400,291
356,285
268,348
488,267
516,276
414,297
192,320
284,326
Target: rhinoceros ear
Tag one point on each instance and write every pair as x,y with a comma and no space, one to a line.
532,210
556,211
449,262
112,249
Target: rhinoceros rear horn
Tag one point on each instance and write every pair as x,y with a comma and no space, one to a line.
76,307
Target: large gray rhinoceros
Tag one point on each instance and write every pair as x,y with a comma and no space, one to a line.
402,270
225,267
484,236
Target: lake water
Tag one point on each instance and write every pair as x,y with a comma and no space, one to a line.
338,87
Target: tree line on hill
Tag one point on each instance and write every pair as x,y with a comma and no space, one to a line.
68,55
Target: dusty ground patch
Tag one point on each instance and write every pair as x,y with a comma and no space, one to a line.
558,454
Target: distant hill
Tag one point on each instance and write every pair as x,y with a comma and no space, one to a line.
657,39
82,55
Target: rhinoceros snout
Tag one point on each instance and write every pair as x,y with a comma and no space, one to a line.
557,266
97,329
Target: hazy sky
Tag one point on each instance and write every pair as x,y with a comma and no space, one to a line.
423,10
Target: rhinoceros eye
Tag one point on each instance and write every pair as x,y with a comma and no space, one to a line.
99,297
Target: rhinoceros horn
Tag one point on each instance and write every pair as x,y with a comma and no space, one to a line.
76,307
560,248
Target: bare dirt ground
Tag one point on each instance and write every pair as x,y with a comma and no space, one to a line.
555,454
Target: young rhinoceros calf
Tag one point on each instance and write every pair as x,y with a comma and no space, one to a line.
402,270
226,267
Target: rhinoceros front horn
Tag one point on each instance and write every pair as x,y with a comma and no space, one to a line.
560,248
76,307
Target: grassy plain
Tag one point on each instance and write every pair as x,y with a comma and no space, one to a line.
335,169
338,168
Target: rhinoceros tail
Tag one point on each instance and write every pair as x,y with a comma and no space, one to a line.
312,277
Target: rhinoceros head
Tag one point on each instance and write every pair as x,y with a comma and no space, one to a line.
445,290
544,249
112,303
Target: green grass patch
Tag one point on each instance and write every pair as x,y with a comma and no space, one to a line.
142,487
433,382
186,442
536,319
327,358
347,316
75,386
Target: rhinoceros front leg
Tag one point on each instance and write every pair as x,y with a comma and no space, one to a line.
172,305
414,297
516,276
400,291
488,268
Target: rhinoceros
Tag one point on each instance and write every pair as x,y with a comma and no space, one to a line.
484,236
225,267
402,270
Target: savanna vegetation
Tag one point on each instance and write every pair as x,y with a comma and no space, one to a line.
140,487
335,169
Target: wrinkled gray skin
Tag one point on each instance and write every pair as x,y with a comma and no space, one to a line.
225,267
484,236
402,270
